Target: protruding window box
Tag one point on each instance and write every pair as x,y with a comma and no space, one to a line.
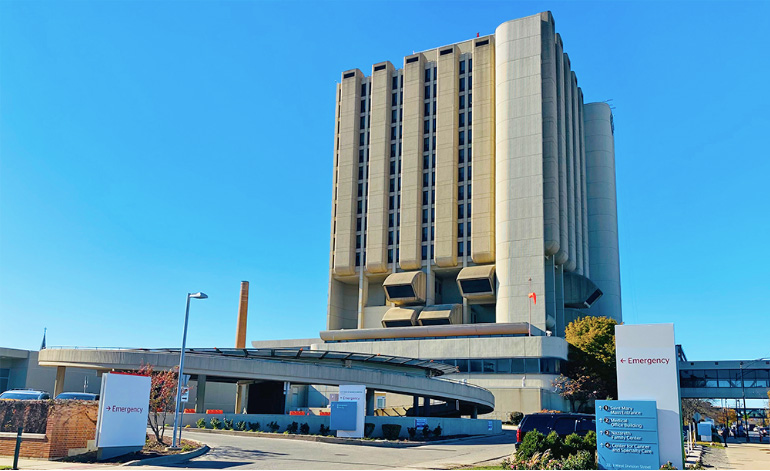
405,287
401,317
477,283
441,314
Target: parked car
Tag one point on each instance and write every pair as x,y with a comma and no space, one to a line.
78,395
25,394
562,423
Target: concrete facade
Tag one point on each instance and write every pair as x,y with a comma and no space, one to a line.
493,160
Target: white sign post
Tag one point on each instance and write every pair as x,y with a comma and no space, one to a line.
357,394
121,425
647,371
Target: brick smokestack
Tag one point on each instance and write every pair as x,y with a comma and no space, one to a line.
243,309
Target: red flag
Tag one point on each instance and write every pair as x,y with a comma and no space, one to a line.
534,297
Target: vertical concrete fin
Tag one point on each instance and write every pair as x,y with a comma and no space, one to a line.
347,173
410,244
602,209
562,255
483,123
447,139
377,206
519,170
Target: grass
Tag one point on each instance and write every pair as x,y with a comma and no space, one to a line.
6,467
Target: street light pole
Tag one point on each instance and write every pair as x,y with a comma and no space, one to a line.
181,366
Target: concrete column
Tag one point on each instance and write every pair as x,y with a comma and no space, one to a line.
415,406
369,401
426,407
200,395
286,397
475,413
241,397
58,386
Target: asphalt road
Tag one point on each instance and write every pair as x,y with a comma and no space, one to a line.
228,451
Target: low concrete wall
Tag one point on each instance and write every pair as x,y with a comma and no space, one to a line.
448,426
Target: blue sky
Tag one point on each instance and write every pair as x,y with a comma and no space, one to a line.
148,149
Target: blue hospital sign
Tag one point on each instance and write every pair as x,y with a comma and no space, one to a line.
627,434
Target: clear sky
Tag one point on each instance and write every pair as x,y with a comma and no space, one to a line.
148,149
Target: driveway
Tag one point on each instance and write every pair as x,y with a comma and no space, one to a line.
229,451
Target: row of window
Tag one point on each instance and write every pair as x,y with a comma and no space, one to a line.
506,365
724,378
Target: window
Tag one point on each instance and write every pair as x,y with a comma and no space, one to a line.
380,402
468,246
361,140
469,228
390,237
424,252
5,374
392,167
358,207
460,230
358,224
358,259
360,156
462,84
425,234
360,190
362,124
394,82
462,67
469,172
392,187
393,116
470,135
392,133
470,100
476,366
460,211
427,109
358,241
391,202
426,144
468,214
425,215
532,365
394,99
363,106
461,156
426,126
462,138
460,193
517,365
470,82
462,102
462,119
462,365
459,249
489,366
564,426
470,65
503,365
470,155
461,174
427,75
390,255
424,180
427,91
363,89
390,220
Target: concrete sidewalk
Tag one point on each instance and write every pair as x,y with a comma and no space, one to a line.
30,463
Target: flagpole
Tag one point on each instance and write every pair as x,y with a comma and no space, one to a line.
529,325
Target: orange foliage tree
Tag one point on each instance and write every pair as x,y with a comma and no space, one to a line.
162,398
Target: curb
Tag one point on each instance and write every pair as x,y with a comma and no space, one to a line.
169,459
337,440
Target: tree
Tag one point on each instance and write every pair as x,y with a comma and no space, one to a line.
590,372
162,398
726,416
691,406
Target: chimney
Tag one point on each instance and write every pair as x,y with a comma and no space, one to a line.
243,310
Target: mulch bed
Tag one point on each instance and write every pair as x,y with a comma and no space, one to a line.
152,449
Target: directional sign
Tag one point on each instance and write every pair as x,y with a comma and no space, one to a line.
627,434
